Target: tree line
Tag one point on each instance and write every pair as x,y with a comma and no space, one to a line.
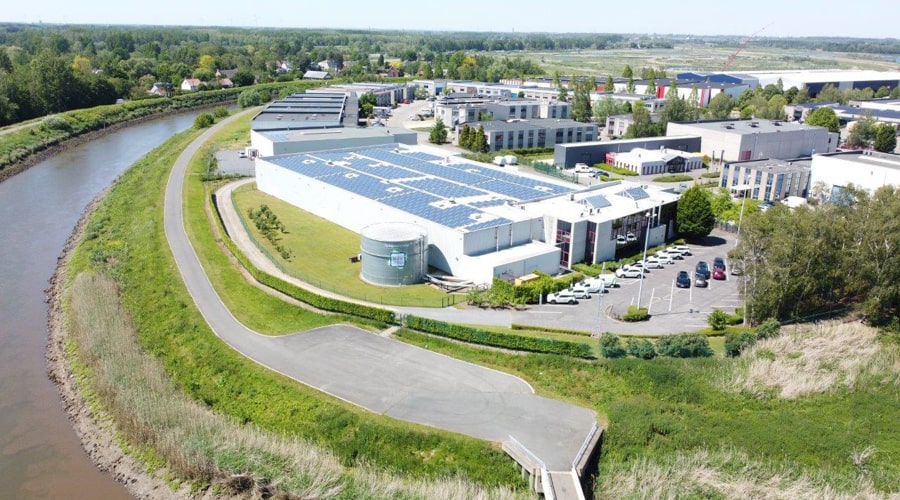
839,254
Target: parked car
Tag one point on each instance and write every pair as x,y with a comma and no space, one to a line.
718,274
593,285
684,249
609,280
683,280
629,272
562,297
700,281
580,292
638,265
702,269
652,262
673,251
664,258
719,263
583,168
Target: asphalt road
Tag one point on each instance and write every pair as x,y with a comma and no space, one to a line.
382,375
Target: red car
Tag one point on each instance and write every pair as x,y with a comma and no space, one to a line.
718,273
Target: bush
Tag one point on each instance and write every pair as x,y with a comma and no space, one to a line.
635,314
204,120
220,112
769,328
718,319
251,97
642,349
610,346
685,345
673,178
56,122
736,342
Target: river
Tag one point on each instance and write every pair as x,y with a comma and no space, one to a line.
40,455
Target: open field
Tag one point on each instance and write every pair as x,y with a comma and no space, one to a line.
692,57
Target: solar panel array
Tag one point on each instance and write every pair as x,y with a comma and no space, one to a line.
421,184
635,193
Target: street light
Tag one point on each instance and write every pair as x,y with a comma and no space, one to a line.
649,216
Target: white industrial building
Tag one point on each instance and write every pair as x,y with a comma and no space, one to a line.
481,222
534,133
741,140
658,161
867,170
768,179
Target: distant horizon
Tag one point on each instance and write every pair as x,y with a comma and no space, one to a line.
764,18
461,31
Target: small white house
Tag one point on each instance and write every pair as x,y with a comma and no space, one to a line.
191,84
658,161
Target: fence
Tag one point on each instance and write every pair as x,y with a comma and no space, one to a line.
384,297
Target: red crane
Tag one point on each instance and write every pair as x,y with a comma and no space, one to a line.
742,45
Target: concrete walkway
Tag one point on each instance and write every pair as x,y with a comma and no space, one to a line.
382,375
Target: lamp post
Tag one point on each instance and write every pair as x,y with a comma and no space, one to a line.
649,216
741,216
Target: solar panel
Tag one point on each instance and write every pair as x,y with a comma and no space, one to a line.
500,221
597,201
635,193
443,188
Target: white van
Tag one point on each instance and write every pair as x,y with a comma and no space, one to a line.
499,161
583,168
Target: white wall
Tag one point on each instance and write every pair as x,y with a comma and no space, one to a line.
837,171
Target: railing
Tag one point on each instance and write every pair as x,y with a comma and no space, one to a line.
584,446
547,483
443,301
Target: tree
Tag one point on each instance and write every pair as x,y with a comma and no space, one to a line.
882,91
250,98
204,120
824,117
581,103
717,319
610,85
643,125
629,87
695,217
465,138
367,104
885,139
479,143
243,78
830,93
651,88
720,106
628,72
606,107
438,134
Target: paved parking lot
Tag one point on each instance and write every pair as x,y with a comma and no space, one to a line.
672,309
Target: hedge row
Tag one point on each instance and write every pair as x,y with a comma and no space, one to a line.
301,294
549,329
506,341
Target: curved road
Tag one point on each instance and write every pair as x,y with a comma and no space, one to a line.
382,375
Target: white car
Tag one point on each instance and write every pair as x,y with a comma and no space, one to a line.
580,291
592,285
562,297
673,250
684,249
653,263
664,258
629,272
583,168
638,265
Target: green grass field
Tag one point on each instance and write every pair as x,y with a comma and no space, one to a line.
323,260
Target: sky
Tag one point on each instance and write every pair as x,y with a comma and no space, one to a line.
863,18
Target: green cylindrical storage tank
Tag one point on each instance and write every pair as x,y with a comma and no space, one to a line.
394,253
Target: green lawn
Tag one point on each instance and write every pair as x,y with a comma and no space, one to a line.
673,178
323,261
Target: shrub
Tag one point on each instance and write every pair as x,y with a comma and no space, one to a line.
251,97
685,345
204,120
220,112
610,346
769,328
56,122
504,340
642,349
635,314
735,342
718,319
673,178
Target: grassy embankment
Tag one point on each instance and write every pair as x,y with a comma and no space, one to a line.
297,438
323,261
720,427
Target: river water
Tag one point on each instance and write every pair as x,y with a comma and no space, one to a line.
40,455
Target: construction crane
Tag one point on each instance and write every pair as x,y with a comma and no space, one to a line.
742,45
